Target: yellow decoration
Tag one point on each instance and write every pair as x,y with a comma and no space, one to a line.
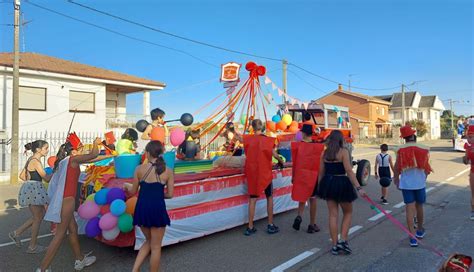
97,186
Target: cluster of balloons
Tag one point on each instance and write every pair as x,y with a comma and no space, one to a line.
282,123
108,213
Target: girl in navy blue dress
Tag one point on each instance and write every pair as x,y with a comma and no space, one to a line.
150,211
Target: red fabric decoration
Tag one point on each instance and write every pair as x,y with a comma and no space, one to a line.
250,66
470,130
261,70
306,159
74,140
414,156
258,163
406,131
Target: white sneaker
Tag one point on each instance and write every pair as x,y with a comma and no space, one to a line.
87,261
47,270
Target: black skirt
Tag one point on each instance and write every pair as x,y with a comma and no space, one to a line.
336,188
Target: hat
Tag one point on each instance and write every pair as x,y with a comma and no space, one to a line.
307,129
406,131
470,130
74,140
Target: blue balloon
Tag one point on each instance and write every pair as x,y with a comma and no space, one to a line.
48,170
276,118
101,196
118,207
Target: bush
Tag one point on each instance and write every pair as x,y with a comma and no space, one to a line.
420,126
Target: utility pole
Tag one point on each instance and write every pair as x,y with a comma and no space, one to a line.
403,104
15,96
285,65
452,115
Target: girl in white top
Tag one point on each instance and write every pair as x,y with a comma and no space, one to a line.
383,164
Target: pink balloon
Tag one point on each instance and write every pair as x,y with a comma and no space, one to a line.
108,221
299,136
88,210
177,136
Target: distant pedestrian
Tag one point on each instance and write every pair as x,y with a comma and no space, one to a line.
338,185
150,215
469,158
33,195
383,164
411,170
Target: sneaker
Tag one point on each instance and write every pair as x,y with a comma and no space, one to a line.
15,238
420,234
343,245
472,215
335,250
250,231
87,261
413,242
47,270
384,201
36,250
297,223
271,229
313,228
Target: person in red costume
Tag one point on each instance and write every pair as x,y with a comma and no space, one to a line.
411,170
469,157
305,156
259,151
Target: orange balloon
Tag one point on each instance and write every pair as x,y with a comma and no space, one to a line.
158,134
293,128
281,126
271,126
294,123
51,161
131,203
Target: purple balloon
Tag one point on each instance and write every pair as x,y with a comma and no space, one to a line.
115,193
299,136
92,228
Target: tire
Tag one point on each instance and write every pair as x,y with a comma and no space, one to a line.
363,172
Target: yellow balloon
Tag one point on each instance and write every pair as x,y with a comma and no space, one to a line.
287,119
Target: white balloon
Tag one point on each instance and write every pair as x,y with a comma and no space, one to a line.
110,235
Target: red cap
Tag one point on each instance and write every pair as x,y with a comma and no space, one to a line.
470,130
74,140
406,131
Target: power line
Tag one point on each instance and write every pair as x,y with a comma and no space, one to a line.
121,34
173,35
307,82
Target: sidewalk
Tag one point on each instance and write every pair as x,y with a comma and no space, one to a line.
9,196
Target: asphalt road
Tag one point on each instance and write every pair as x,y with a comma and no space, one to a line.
378,245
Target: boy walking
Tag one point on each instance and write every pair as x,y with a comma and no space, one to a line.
383,164
259,151
411,170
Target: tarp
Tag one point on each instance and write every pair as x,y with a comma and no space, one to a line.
306,159
258,164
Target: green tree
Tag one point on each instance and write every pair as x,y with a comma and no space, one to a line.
420,126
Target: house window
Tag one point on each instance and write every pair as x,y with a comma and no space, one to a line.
32,98
383,111
436,115
419,115
81,101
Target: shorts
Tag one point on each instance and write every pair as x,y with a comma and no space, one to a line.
410,196
268,192
384,172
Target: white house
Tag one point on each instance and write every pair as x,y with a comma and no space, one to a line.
426,108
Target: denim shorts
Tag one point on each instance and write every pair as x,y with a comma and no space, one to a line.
410,196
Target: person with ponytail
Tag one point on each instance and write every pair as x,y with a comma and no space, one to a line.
33,195
62,192
150,215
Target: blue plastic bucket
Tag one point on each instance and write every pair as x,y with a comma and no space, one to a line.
170,158
285,153
125,165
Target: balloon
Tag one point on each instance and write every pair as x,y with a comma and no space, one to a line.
276,118
101,196
105,209
177,136
88,210
250,66
118,207
92,228
271,126
158,134
385,181
48,170
141,125
125,223
294,123
243,118
115,193
299,136
281,125
90,198
187,119
110,235
287,119
51,161
261,70
293,129
131,203
108,221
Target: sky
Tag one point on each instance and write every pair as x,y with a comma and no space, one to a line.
380,43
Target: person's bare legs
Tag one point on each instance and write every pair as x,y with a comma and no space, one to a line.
419,216
144,250
270,209
156,239
384,192
301,208
252,204
28,223
38,214
74,240
346,219
312,210
410,213
333,218
66,217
